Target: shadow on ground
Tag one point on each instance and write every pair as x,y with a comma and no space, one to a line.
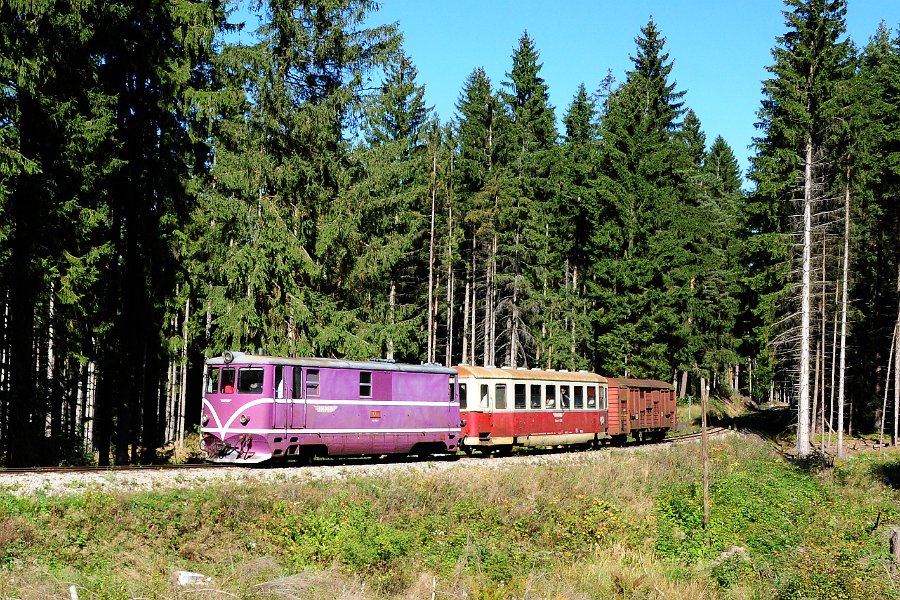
889,473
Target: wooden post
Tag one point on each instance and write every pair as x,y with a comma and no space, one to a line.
704,404
895,544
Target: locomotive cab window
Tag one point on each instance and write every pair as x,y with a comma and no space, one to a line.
592,396
603,399
312,383
212,380
462,396
228,374
452,389
485,399
520,396
535,395
365,384
579,396
250,381
500,396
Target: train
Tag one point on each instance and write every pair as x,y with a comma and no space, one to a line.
260,408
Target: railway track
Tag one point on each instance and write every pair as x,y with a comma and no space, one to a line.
7,475
108,469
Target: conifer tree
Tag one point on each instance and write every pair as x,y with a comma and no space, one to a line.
282,255
641,191
387,207
798,118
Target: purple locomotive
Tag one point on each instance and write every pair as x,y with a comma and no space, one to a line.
257,408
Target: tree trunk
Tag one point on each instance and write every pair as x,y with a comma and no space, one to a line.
803,403
465,338
844,284
432,317
896,438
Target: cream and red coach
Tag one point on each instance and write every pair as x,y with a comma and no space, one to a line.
506,407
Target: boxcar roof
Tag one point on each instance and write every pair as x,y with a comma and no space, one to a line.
330,363
640,383
530,374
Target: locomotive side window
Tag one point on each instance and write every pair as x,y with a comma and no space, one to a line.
312,383
592,396
250,381
535,395
365,384
520,396
279,382
462,396
485,400
298,382
579,396
551,396
500,396
228,380
212,380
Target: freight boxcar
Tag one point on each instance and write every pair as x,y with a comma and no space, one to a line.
642,408
257,408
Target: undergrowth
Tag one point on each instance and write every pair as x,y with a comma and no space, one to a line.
628,524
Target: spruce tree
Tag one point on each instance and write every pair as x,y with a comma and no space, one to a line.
799,115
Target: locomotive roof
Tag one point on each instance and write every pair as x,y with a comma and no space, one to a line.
368,365
645,383
530,374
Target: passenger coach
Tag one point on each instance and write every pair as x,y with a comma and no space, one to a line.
257,408
507,407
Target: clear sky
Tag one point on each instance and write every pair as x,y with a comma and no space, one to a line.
719,48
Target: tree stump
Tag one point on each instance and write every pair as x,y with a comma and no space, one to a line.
895,544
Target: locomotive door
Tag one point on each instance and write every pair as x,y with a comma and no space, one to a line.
281,397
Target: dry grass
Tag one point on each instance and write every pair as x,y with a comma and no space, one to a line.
580,528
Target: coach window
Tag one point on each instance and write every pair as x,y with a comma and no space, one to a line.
579,396
520,396
462,396
212,380
250,381
535,395
592,396
485,399
551,395
365,384
604,398
228,380
312,383
500,396
565,400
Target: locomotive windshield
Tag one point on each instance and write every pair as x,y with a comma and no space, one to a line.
250,381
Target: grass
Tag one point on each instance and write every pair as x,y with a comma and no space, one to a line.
625,525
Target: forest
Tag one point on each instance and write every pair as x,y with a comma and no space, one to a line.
168,192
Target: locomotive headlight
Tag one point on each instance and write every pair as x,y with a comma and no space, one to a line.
204,419
244,419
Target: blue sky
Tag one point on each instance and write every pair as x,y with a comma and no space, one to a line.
719,48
